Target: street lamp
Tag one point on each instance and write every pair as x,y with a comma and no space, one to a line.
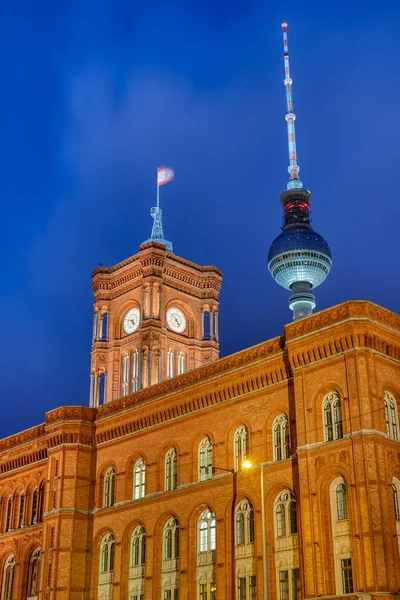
247,464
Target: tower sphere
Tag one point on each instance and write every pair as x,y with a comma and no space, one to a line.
299,254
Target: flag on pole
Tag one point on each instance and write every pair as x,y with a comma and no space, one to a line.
164,175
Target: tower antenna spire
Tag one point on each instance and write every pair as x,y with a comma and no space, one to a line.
294,181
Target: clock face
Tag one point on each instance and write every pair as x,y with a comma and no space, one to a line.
176,320
131,320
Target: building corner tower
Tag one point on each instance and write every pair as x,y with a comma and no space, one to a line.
299,259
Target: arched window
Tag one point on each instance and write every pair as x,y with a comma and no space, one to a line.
171,539
107,554
206,531
341,502
171,470
135,371
8,514
21,510
34,507
241,447
391,416
139,473
109,480
281,438
244,523
33,573
125,375
8,578
396,502
138,547
40,503
286,514
205,459
181,363
332,411
170,363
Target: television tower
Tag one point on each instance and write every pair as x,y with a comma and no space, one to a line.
299,259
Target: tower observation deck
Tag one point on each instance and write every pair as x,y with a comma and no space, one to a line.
299,259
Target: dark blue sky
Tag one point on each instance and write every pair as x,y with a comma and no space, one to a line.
96,93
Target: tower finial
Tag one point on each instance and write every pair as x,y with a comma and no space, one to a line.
294,181
164,175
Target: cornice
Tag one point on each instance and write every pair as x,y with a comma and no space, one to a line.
24,437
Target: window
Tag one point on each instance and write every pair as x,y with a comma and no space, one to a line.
295,584
8,578
205,460
125,375
242,588
170,363
40,503
203,591
396,500
283,585
8,515
341,502
286,514
135,371
171,470
171,539
107,554
108,494
138,547
244,523
34,507
206,531
332,410
347,576
241,441
281,438
21,510
391,416
253,587
181,363
139,479
33,573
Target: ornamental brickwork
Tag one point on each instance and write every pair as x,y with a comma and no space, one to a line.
142,497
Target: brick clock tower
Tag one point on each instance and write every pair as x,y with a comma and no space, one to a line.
155,316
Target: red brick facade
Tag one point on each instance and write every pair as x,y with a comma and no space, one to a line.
349,353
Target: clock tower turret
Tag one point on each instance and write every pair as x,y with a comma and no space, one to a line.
155,317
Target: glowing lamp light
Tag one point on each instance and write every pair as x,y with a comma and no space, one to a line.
247,464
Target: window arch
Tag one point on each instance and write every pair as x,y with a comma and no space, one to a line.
281,438
8,578
125,374
205,459
138,547
206,531
241,446
285,514
107,554
33,573
171,470
21,510
7,523
341,502
109,484
171,540
139,479
391,416
181,363
333,422
244,518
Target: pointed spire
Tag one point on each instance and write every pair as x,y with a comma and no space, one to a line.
157,232
294,181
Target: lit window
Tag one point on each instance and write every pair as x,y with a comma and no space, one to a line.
341,502
139,472
241,441
170,363
286,514
333,422
281,438
280,521
135,371
205,460
181,363
125,375
206,531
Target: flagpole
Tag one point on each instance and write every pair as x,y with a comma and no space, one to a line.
158,192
